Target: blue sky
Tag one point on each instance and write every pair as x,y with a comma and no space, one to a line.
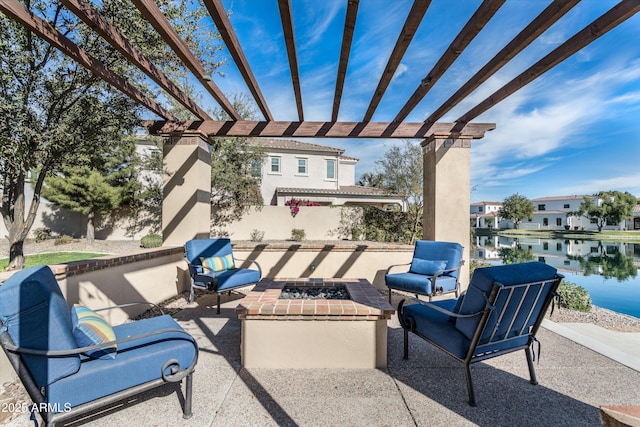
574,130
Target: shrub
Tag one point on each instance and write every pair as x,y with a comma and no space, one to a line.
298,234
42,234
63,240
294,205
257,235
151,241
574,297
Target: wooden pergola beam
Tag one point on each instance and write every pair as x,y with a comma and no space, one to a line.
290,42
275,129
220,18
16,11
477,22
347,39
101,25
154,16
417,12
531,32
609,20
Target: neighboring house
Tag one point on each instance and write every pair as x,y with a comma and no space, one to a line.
318,173
486,215
551,213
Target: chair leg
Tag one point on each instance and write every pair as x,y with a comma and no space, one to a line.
406,344
186,412
467,374
532,371
389,295
218,300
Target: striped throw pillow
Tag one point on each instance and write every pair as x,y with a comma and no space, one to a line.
219,263
89,328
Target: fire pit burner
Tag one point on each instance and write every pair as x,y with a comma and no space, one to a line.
307,292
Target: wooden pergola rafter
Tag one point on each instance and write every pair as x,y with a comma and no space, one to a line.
397,128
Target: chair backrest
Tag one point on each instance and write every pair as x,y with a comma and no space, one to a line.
430,250
523,294
35,315
206,248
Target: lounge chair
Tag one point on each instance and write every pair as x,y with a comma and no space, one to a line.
500,312
213,267
434,270
71,361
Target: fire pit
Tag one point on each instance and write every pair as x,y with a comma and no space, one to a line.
299,323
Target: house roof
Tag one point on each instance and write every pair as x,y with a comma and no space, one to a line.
556,198
293,145
486,203
345,190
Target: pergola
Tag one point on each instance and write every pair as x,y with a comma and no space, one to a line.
446,146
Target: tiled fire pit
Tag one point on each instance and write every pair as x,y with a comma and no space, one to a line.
314,333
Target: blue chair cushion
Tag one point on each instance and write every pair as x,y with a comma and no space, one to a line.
226,280
89,328
418,283
434,250
206,248
426,266
437,327
36,315
138,362
506,275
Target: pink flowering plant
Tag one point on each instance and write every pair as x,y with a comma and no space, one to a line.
294,205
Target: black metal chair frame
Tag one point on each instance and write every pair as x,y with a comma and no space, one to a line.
474,354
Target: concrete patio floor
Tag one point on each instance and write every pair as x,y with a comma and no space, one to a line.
426,390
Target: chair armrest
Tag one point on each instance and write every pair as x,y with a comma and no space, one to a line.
252,261
441,310
130,305
439,273
396,265
58,353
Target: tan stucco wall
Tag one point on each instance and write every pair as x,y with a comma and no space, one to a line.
310,344
318,223
331,260
447,194
186,205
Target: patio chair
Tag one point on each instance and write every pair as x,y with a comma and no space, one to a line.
72,362
500,313
212,267
433,270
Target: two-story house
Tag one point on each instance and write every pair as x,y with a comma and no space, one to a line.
486,215
318,173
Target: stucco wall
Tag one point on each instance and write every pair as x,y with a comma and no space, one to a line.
318,222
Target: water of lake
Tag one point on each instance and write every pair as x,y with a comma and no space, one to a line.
607,269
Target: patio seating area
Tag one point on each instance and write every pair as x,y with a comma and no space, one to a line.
427,389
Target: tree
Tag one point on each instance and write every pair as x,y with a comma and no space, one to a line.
610,207
401,172
516,208
54,112
371,179
105,183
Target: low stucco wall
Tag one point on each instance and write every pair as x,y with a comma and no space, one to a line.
353,260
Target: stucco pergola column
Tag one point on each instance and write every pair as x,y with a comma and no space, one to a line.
186,203
447,193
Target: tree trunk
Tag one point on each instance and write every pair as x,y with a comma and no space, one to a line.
16,256
91,230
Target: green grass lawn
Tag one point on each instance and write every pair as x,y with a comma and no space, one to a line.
53,258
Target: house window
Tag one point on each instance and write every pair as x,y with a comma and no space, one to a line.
479,208
302,166
558,222
275,164
566,206
155,154
558,246
331,169
545,221
542,207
